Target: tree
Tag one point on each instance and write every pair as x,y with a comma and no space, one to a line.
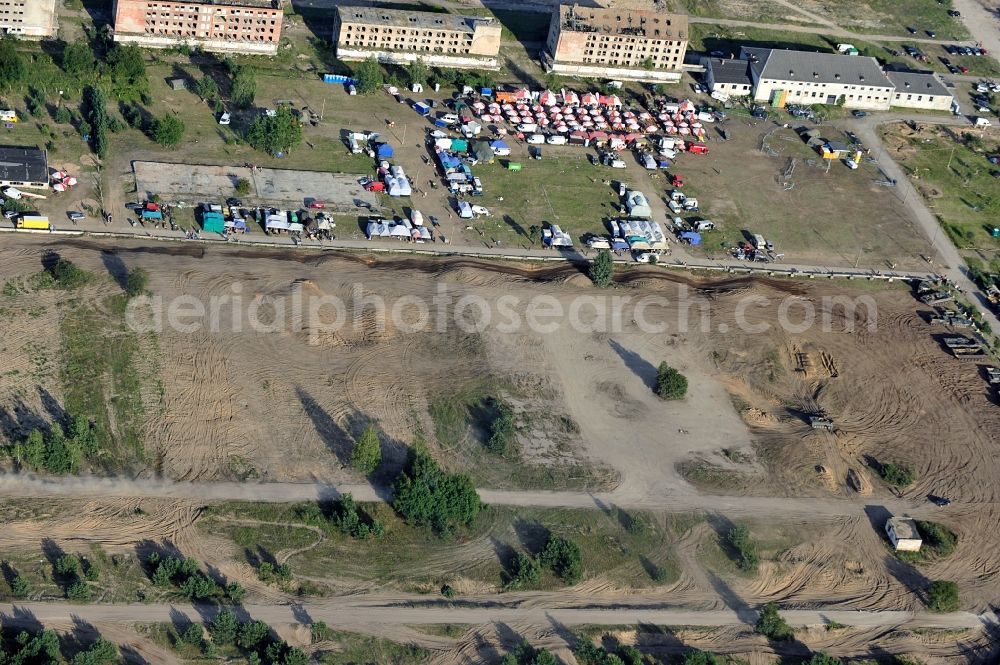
745,546
242,186
368,76
136,282
32,452
235,591
19,586
67,566
167,131
275,133
126,67
244,86
525,654
367,453
771,624
417,71
194,634
524,571
702,658
820,658
77,58
96,114
424,495
602,269
63,115
942,596
501,429
670,384
251,633
12,68
102,652
223,628
78,591
207,88
563,556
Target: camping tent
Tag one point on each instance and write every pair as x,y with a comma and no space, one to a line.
692,237
384,151
464,210
500,148
637,204
212,222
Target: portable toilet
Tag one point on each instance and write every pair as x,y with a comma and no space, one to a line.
514,166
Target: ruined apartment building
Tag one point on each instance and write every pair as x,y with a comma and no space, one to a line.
236,26
28,18
396,36
617,43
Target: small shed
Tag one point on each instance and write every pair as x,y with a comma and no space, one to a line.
177,83
903,534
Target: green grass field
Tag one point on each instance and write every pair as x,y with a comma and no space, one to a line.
953,175
619,546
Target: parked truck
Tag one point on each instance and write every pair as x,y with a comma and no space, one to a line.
37,222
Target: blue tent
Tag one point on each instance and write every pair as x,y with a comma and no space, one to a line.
384,151
499,145
692,237
449,161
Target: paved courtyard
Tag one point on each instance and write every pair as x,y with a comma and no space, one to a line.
190,183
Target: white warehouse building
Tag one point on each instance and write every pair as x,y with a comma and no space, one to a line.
801,77
918,90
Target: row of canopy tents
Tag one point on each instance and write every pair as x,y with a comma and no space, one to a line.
400,230
396,182
637,234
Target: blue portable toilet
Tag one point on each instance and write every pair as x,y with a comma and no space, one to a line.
486,92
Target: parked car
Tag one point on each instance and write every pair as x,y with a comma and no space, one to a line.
944,60
643,257
952,69
954,13
76,216
134,206
931,34
536,139
911,30
858,113
938,500
225,119
610,159
963,69
11,214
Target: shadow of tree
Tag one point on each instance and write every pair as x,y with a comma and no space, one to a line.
639,366
115,267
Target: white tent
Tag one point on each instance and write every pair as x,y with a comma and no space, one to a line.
637,204
464,210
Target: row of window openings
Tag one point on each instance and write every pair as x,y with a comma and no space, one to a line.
151,16
675,51
403,31
614,61
412,40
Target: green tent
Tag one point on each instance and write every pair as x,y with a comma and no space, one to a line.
459,145
212,222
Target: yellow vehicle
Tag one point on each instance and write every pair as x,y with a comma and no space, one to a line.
39,222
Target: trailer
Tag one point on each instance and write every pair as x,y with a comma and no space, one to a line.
36,222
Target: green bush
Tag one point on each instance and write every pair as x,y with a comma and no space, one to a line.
563,556
942,596
771,624
19,586
67,275
367,453
744,546
703,658
524,571
670,384
424,495
136,282
820,658
78,591
501,429
897,475
602,269
940,539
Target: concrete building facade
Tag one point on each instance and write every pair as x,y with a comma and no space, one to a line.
783,77
397,36
638,44
236,26
918,90
28,18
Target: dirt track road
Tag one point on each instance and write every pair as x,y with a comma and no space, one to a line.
677,499
367,611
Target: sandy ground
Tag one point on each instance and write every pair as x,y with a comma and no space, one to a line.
290,409
298,188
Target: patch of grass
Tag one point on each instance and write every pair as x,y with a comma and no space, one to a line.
413,558
462,418
352,648
451,630
710,476
105,370
950,170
